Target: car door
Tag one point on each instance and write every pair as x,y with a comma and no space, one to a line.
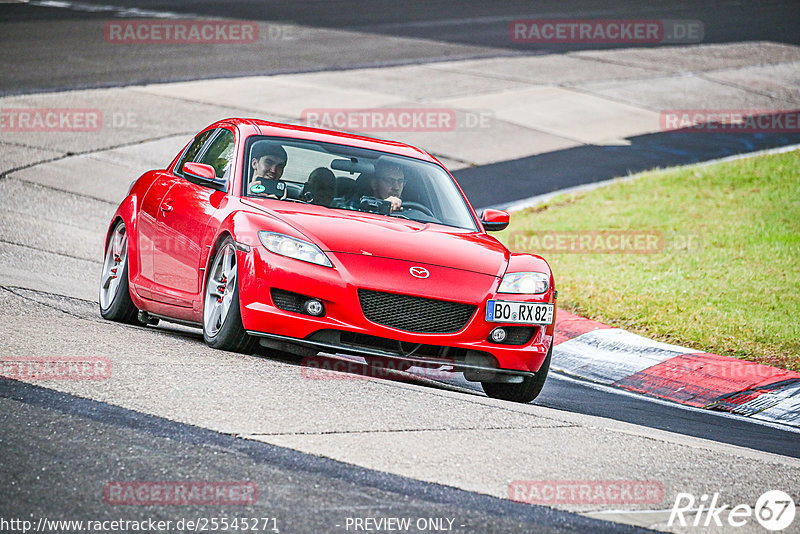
181,222
147,230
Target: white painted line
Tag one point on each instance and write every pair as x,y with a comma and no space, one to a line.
117,11
632,512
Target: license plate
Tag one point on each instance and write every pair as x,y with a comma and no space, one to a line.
500,311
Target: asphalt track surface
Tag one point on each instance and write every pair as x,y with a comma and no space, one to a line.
591,163
565,393
62,47
81,445
73,436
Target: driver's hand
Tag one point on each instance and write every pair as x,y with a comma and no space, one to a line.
397,203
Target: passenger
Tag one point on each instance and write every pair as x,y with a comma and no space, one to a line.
345,186
319,188
268,160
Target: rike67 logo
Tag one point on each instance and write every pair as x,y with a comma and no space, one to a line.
774,510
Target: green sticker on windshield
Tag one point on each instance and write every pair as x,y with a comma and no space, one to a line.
257,188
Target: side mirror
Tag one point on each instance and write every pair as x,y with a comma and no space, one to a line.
204,174
495,220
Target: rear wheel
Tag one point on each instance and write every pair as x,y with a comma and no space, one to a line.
524,391
115,295
222,317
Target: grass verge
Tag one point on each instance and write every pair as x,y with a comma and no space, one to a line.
711,259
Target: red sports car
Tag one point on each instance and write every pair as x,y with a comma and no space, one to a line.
294,237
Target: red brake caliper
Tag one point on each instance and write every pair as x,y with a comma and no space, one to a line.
117,260
221,288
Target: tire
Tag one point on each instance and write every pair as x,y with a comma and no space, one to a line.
222,316
115,296
525,391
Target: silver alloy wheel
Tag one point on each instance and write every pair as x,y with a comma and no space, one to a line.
219,290
113,265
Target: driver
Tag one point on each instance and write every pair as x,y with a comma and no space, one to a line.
387,183
268,161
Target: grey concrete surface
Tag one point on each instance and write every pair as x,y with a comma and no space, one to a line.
128,117
708,57
551,69
779,81
692,92
17,156
506,108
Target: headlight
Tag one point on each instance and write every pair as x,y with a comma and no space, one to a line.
294,248
524,283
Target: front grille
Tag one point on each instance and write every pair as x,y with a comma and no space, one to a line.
415,314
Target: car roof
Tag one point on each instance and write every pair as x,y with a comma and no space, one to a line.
248,127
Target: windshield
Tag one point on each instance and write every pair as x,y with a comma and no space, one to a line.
348,178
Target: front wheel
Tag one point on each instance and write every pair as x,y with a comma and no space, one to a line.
524,391
115,296
222,317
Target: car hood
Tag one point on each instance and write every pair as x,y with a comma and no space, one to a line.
351,232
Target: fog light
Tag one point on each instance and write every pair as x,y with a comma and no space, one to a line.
314,307
498,335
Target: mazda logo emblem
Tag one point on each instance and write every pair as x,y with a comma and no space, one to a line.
419,272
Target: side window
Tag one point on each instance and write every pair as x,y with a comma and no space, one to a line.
193,150
219,153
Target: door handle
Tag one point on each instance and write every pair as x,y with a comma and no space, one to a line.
166,206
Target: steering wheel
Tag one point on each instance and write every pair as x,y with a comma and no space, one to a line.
419,207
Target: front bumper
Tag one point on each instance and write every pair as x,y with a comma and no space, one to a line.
474,367
345,329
